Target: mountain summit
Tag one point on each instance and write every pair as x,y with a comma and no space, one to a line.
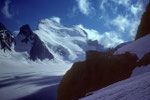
6,38
27,41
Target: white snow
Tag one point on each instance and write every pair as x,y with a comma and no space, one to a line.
134,88
140,70
20,77
139,47
67,43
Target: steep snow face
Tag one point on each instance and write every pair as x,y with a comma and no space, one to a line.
139,47
6,39
134,88
67,43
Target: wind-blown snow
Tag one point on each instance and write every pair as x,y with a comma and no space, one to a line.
134,88
139,47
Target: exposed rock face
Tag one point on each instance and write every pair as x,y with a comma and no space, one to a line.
39,50
6,38
99,70
27,41
144,27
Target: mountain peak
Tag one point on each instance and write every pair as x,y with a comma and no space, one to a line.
6,38
26,30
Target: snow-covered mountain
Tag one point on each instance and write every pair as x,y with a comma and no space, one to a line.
51,40
67,43
27,41
39,58
6,38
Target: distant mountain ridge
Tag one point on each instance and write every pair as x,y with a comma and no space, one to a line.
53,40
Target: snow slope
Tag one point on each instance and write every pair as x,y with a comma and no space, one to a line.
134,88
139,47
20,77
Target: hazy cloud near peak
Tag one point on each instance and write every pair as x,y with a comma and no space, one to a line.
85,6
107,39
5,9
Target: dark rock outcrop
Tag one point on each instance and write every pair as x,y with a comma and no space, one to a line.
28,41
99,70
27,32
144,27
6,38
39,50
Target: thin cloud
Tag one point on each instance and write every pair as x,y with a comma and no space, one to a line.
122,2
102,4
121,22
85,7
136,9
5,9
126,21
72,12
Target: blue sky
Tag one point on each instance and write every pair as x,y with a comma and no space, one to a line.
111,18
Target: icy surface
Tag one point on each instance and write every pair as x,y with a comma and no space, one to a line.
134,88
22,79
139,47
